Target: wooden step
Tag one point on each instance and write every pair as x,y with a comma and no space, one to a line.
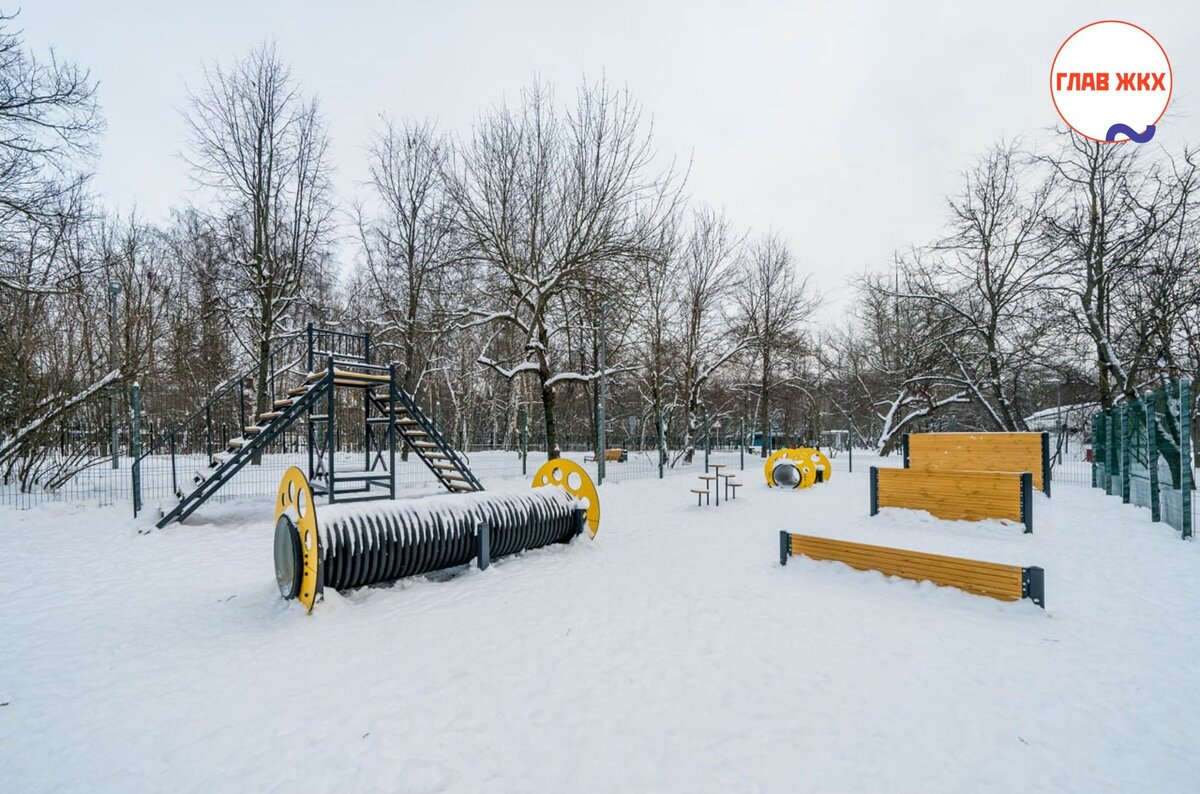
343,373
269,415
237,443
415,433
407,421
284,403
299,390
460,486
425,445
251,430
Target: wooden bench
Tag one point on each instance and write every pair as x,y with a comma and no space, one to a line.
1004,582
1012,452
956,495
612,455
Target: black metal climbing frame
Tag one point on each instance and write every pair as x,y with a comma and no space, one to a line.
331,361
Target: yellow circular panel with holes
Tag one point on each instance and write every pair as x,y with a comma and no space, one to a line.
296,500
799,457
818,459
572,477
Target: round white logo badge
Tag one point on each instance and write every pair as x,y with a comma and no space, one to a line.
1111,81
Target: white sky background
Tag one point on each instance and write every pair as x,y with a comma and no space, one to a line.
842,126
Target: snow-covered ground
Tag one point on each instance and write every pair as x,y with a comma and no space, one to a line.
672,653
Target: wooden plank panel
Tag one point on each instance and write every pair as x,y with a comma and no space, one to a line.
1015,452
990,579
1007,584
962,569
970,495
849,544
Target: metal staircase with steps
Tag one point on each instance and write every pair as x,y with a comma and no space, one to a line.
389,414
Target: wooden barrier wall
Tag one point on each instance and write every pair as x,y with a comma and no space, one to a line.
1004,582
1015,452
956,495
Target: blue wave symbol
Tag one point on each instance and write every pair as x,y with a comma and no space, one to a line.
1134,135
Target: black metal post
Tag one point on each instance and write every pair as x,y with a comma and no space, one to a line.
391,426
742,443
785,546
310,349
484,557
1027,501
330,438
1046,463
135,404
174,475
874,491
1033,585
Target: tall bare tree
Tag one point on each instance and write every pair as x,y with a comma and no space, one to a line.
709,275
407,236
555,204
1112,204
261,147
772,300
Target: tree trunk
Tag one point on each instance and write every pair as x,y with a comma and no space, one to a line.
764,417
552,450
260,389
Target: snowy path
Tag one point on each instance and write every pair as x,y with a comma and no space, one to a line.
671,654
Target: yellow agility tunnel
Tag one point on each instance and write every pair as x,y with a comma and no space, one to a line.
799,467
1002,452
956,495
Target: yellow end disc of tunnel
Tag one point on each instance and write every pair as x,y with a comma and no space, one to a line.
295,498
575,480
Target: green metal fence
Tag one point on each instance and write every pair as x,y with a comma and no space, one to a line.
1142,452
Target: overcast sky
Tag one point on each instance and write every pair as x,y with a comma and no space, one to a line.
842,126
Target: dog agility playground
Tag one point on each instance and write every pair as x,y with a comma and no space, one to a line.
669,649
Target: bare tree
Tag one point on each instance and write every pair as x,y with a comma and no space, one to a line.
49,121
707,339
1112,203
991,275
261,147
555,204
409,237
772,301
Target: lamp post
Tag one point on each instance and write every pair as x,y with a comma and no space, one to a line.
114,289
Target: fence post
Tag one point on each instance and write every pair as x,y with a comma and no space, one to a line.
174,473
850,443
1126,452
706,444
208,447
523,421
1149,403
742,443
1185,454
135,442
1111,449
662,442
